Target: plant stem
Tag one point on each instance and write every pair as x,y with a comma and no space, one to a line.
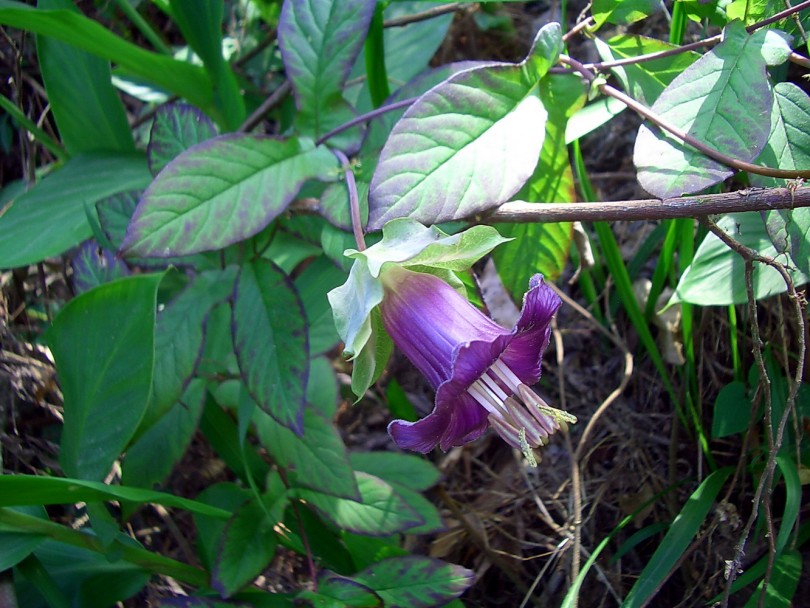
354,201
396,105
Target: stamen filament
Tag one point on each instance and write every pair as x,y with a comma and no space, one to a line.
506,375
488,401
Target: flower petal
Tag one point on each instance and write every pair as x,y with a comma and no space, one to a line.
524,354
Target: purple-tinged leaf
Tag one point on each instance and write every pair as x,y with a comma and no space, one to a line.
416,582
222,191
319,41
317,461
177,127
179,338
381,511
465,146
271,342
246,547
93,266
335,591
724,99
115,212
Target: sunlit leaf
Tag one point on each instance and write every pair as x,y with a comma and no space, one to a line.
719,100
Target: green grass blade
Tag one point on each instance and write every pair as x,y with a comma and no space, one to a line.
375,59
684,528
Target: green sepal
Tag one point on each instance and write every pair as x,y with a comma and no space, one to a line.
406,243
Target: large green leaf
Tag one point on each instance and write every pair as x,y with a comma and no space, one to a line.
179,77
466,145
381,511
719,100
717,274
50,218
544,247
319,41
646,80
789,231
86,107
317,461
683,529
271,343
788,145
201,24
787,571
103,346
416,582
16,490
222,191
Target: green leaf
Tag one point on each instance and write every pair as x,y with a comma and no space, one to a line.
16,490
409,470
179,77
732,410
370,362
103,346
683,529
15,546
222,191
176,128
322,388
86,578
93,266
788,145
717,274
335,591
246,547
317,460
622,11
313,283
49,218
725,88
86,107
465,146
381,511
152,457
538,247
644,81
201,24
319,41
416,582
591,117
226,497
179,337
787,571
270,341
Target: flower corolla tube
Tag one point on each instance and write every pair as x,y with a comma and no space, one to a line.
481,371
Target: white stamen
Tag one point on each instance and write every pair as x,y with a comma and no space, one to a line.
506,375
488,401
492,385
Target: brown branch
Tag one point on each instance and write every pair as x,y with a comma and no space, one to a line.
763,199
428,14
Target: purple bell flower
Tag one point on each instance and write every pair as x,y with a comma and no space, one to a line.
480,370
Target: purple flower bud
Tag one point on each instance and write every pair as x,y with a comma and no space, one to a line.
479,369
